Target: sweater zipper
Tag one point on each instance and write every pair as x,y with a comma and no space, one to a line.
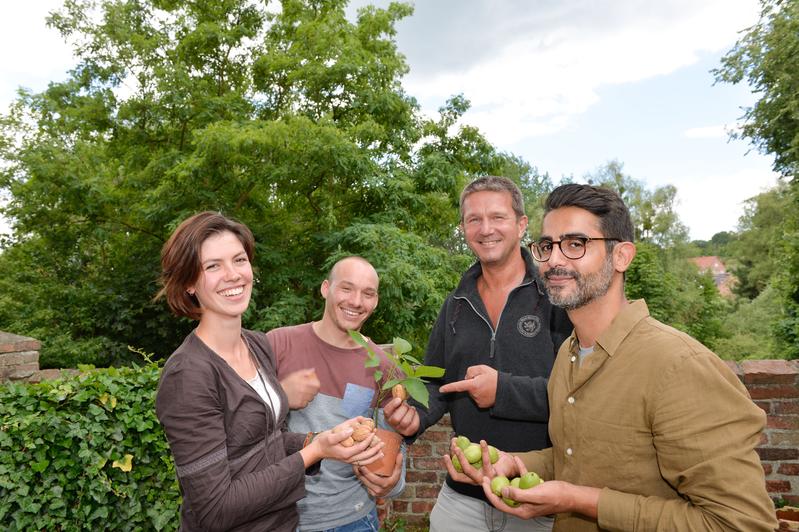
492,344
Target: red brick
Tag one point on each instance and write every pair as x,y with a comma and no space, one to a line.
763,438
769,372
785,438
399,506
735,368
436,436
20,357
428,464
786,407
774,454
421,449
422,507
783,422
792,500
441,449
11,342
427,492
765,405
22,371
778,486
789,469
421,476
442,424
417,520
766,469
777,391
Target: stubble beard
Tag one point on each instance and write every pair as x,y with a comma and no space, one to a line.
588,287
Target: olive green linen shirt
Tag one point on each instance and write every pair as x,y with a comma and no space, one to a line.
662,425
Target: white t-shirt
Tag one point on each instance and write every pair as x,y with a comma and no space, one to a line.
265,390
585,351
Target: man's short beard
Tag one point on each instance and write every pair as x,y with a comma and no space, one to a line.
589,286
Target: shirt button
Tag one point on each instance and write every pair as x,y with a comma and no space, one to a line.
573,358
570,400
569,451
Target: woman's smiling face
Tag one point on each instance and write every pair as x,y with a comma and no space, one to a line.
225,283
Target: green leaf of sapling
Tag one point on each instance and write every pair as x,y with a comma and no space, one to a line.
401,345
428,371
417,390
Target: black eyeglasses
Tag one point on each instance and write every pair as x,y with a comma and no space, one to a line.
572,247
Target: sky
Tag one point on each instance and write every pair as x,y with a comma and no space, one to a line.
568,85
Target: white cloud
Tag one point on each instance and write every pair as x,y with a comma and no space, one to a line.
708,204
33,54
707,132
541,66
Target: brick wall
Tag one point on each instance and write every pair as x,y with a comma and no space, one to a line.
19,357
19,360
773,385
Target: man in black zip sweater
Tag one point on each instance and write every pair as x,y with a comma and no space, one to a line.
497,336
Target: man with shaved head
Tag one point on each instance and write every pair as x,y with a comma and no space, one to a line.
322,371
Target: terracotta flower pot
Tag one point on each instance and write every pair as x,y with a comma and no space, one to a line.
385,465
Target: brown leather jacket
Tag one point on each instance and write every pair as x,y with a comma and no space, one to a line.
238,466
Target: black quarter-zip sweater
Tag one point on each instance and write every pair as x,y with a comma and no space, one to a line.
522,349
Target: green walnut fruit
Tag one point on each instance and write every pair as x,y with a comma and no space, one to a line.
510,502
456,464
499,482
478,464
529,480
493,453
514,483
462,442
473,453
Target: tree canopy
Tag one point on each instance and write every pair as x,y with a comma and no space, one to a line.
767,59
292,120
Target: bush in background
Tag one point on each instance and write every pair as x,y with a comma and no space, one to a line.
86,452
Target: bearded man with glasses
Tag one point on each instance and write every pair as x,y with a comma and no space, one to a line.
650,430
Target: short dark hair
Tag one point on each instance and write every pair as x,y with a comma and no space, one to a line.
494,183
606,204
180,258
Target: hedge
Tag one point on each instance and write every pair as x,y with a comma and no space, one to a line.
86,452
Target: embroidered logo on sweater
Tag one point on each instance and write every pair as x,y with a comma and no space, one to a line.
529,325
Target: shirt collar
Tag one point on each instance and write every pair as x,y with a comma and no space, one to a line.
622,325
612,337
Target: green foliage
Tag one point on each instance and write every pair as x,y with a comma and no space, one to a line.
647,278
405,369
293,122
757,250
399,525
766,58
676,293
653,212
86,453
414,277
786,281
748,329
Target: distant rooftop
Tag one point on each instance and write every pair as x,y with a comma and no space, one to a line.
716,267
